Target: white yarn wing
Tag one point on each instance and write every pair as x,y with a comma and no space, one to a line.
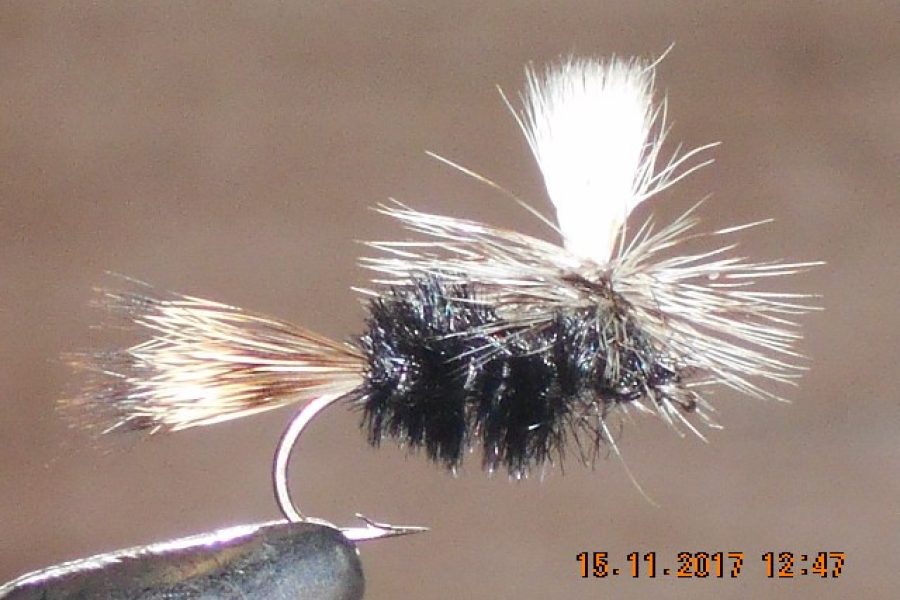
592,127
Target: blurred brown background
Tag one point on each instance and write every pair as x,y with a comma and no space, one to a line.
231,150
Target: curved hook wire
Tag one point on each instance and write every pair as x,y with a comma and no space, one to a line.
283,455
372,530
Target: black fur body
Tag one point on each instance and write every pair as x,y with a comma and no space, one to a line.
438,379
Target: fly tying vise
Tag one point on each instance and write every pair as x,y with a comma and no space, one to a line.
478,336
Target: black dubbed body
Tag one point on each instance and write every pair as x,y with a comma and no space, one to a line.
439,379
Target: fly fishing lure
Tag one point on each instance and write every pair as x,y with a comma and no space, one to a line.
481,336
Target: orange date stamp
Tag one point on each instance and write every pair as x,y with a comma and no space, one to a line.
712,565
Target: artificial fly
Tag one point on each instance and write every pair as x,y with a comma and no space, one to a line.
478,336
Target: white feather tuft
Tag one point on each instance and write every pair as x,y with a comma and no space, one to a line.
596,134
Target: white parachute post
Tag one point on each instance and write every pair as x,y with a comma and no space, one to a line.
596,133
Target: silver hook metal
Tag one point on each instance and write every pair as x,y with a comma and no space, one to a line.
281,464
283,455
